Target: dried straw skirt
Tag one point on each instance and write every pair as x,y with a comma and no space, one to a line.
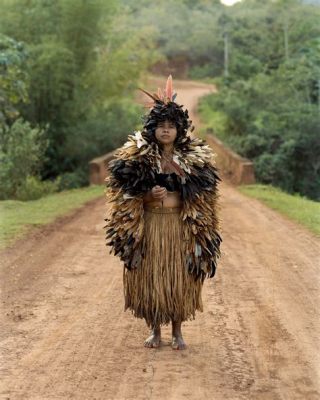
162,289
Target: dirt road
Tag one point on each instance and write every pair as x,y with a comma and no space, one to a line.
64,334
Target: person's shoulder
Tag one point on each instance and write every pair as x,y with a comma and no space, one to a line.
199,158
199,152
132,151
132,146
132,158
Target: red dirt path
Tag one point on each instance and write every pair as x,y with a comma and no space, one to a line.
64,334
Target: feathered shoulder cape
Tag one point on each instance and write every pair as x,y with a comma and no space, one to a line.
132,173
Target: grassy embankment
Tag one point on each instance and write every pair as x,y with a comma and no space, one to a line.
300,209
18,217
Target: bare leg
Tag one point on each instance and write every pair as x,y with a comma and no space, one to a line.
177,339
154,339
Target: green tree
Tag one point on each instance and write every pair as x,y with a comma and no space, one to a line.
14,80
81,59
22,153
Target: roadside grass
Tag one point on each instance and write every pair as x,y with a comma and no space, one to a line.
298,208
18,217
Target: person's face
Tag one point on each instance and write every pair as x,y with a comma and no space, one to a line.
166,132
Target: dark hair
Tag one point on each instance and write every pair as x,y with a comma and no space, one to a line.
172,112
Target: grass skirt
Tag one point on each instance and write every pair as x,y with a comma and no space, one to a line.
162,289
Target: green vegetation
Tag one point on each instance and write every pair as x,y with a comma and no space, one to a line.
264,57
21,154
304,211
268,103
18,217
68,70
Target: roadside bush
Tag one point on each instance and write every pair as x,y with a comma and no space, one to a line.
202,71
73,180
33,188
269,120
104,130
22,150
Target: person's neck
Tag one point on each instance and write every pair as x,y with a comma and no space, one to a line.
167,149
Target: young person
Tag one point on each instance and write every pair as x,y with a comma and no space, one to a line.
163,224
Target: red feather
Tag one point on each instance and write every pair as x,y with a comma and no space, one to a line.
169,89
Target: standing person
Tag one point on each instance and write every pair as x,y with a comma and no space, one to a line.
163,224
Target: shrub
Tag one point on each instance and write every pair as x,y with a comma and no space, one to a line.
22,151
33,188
102,131
73,180
202,71
270,120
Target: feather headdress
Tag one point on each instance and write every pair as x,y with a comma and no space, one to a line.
164,108
165,96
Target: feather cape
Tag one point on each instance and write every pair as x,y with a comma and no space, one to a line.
132,173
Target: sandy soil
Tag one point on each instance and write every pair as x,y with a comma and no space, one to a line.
64,334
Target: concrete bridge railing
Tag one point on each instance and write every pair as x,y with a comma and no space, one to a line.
98,168
234,168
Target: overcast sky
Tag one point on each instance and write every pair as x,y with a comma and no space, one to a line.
229,2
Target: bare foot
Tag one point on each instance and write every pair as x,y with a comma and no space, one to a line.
178,343
177,339
154,339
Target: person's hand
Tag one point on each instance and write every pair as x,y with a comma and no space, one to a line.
159,192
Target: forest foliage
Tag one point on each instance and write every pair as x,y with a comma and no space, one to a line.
68,70
264,57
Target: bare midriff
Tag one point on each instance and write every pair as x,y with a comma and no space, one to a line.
171,200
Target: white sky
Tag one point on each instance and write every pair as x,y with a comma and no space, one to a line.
229,2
